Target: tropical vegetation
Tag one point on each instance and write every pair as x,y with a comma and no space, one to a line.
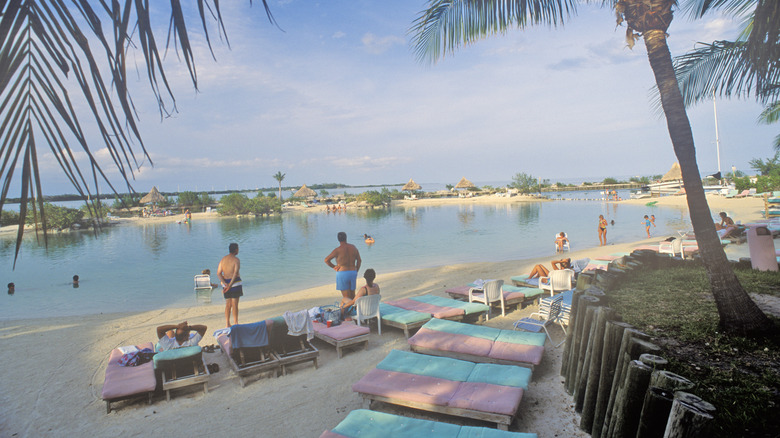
239,203
447,24
279,177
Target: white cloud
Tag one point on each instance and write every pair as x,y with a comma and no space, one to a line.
378,45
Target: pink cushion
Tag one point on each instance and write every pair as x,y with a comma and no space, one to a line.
224,341
419,306
517,352
592,267
123,381
485,397
451,342
404,386
460,290
345,330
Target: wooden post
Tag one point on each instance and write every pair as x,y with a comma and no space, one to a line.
658,403
580,332
609,357
570,335
589,378
628,405
690,417
593,376
591,315
633,346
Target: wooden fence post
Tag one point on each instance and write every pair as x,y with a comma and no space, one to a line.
658,403
690,417
609,357
584,302
628,404
589,381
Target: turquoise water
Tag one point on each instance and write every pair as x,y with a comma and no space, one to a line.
150,266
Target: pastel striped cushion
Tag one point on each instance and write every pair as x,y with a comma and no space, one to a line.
406,386
487,398
342,331
424,365
402,316
468,308
419,306
479,331
456,343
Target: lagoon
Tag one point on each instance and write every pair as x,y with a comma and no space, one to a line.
151,265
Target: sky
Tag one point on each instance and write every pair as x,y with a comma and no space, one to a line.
336,94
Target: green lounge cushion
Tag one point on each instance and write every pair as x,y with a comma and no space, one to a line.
424,365
176,354
401,316
516,337
365,423
478,331
501,375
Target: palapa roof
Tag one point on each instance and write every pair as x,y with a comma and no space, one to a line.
305,192
153,196
411,185
673,174
464,184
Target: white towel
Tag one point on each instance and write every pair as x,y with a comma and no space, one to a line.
128,349
299,323
225,330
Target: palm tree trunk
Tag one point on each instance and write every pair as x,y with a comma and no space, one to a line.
738,313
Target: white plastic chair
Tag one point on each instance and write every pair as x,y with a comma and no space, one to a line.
672,248
536,324
490,292
367,307
558,281
202,281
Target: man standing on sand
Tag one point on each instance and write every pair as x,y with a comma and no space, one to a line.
227,271
347,266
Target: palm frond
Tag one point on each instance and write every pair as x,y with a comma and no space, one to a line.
698,8
770,114
46,51
447,24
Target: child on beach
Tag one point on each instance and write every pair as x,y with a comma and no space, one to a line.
647,223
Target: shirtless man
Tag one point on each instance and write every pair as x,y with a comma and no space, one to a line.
227,271
347,267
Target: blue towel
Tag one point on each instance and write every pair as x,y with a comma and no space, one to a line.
249,335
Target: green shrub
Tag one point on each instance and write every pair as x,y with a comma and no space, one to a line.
57,218
188,198
9,218
235,203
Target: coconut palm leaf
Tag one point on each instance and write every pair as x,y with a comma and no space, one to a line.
48,69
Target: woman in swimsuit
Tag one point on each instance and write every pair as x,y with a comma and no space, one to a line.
602,230
371,288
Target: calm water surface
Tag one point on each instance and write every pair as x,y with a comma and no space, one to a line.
150,266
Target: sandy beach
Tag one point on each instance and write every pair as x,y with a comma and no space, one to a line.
54,368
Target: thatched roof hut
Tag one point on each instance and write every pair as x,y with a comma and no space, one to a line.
673,174
153,197
305,192
464,184
411,186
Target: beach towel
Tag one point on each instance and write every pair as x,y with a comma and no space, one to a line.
249,335
299,323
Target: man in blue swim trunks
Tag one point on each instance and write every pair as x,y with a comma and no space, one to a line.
229,277
347,266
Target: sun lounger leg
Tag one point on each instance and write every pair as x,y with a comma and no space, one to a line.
502,426
108,407
338,352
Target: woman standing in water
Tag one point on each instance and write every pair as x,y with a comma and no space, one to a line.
602,230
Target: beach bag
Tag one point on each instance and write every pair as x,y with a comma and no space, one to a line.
332,313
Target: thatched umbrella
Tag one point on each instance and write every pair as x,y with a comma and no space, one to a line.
305,192
673,174
153,197
411,186
464,184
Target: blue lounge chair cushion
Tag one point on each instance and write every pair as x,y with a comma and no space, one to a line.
501,375
484,432
424,365
513,337
477,331
467,307
401,316
365,423
176,354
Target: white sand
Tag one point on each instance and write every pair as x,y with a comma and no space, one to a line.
53,369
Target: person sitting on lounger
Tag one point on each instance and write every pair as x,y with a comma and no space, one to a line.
179,335
726,225
371,288
540,271
561,240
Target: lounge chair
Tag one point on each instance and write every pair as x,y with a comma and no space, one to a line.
672,248
489,293
478,343
367,307
365,423
181,368
411,313
342,335
124,382
565,246
253,358
291,349
513,295
483,391
551,316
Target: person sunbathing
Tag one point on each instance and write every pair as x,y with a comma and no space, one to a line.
726,225
180,335
541,271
